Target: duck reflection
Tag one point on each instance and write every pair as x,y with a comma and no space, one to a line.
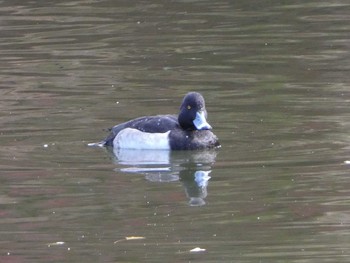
191,168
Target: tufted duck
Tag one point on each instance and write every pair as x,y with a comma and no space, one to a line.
187,131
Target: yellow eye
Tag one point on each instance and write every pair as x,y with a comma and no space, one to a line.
188,107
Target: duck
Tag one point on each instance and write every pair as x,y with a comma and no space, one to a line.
189,130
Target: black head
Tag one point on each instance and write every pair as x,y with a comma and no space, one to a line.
193,114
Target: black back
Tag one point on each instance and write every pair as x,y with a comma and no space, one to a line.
152,124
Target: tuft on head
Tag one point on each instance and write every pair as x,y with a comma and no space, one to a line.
193,100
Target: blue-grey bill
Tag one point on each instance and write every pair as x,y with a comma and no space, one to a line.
200,122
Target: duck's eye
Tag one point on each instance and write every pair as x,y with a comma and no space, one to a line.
188,107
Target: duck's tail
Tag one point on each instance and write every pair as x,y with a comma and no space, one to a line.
97,144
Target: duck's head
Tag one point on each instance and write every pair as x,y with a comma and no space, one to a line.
193,115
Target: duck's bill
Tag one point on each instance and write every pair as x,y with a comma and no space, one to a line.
200,121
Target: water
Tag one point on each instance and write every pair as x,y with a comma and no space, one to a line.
276,81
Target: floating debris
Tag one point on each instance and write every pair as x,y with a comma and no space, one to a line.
58,243
129,238
347,162
46,145
197,249
134,238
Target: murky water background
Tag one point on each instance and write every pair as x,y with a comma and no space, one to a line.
276,78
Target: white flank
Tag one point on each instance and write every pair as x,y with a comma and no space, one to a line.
134,139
